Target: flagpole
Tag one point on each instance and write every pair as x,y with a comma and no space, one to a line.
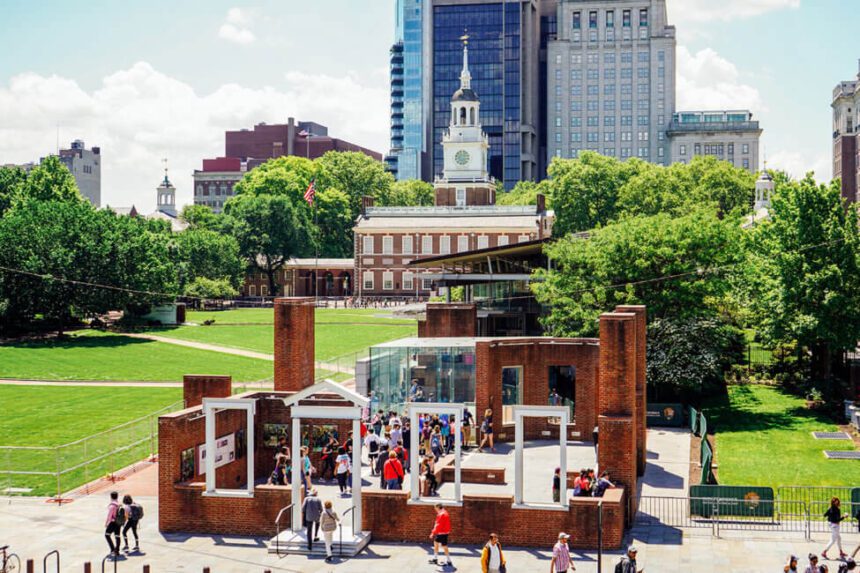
317,258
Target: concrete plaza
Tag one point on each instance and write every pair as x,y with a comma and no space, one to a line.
32,527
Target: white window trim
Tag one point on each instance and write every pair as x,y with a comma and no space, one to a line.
408,277
455,410
521,412
424,240
407,239
364,280
210,407
364,242
387,245
385,276
462,243
445,245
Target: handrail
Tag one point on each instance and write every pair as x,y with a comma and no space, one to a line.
350,510
45,561
278,529
108,556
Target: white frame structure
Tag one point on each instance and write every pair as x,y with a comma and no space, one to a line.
414,409
211,406
521,412
297,413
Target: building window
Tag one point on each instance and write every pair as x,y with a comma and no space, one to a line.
444,245
252,290
200,189
388,280
211,189
367,245
746,148
697,149
426,284
682,150
592,20
387,245
512,391
643,17
223,189
502,240
407,244
264,290
731,149
427,245
462,243
625,17
577,20
408,281
367,280
562,387
610,18
483,241
660,152
523,239
746,163
593,121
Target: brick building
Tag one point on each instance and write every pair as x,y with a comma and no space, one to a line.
246,149
304,277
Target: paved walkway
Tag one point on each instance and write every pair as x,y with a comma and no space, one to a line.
11,382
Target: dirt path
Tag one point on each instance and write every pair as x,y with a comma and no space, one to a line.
202,346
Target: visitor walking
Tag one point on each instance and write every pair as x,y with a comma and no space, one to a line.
114,520
307,469
440,533
428,470
380,465
436,444
371,442
312,510
628,562
834,518
603,483
492,557
556,485
133,513
342,469
814,567
561,562
328,524
487,431
393,472
792,566
467,428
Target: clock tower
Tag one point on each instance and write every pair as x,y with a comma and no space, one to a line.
465,180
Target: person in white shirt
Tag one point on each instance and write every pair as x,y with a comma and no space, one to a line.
396,434
492,558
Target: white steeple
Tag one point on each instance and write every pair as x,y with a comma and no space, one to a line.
764,187
166,195
465,74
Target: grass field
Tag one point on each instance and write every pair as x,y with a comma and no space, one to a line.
764,437
93,355
323,315
53,416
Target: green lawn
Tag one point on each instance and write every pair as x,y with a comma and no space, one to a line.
337,332
763,437
94,355
53,416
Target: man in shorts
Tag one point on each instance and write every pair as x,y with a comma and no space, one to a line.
440,533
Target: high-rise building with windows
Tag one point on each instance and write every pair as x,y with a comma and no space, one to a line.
731,136
611,79
504,43
846,117
85,166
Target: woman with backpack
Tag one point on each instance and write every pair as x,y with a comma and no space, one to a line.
342,469
487,431
328,524
436,444
834,518
134,513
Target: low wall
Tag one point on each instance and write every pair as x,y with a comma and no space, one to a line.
494,476
388,515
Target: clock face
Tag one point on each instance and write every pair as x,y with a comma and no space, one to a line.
462,157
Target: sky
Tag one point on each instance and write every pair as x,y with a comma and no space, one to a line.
164,79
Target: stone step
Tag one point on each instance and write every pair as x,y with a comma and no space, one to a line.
296,543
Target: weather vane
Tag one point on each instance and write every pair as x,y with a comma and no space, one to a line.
465,37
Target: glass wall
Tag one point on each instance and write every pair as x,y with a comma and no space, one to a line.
407,105
512,392
442,373
494,31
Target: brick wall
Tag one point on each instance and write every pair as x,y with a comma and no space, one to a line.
195,387
390,518
535,356
294,343
450,320
641,394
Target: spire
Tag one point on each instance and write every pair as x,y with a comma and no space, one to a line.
465,75
166,182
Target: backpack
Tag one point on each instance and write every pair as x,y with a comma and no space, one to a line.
136,511
619,567
119,516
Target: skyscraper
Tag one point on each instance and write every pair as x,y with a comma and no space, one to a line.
846,98
611,79
85,166
504,38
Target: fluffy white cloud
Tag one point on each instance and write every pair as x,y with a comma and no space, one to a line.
682,11
237,27
139,116
706,80
797,164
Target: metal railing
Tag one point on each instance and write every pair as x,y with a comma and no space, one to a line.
55,470
350,510
819,494
278,528
45,561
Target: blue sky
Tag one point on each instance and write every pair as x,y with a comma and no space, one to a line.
146,80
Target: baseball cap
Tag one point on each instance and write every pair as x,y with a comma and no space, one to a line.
563,535
632,549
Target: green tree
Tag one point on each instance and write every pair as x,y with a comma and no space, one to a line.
804,271
208,254
334,224
585,190
628,262
202,287
408,193
12,180
200,217
525,193
356,174
720,184
51,181
270,229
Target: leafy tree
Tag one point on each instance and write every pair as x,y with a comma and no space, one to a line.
202,287
804,271
12,180
688,358
356,174
626,262
269,229
720,184
585,190
288,175
208,254
334,224
408,193
51,181
199,217
525,193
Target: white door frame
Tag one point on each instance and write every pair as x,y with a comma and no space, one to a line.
521,412
414,409
210,407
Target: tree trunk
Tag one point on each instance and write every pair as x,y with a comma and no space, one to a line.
821,361
273,289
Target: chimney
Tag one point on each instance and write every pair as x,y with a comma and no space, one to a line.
541,203
291,136
366,201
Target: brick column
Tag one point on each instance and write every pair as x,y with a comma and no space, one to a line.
195,387
617,408
294,343
641,393
445,320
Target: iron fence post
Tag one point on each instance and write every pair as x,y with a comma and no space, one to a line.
808,522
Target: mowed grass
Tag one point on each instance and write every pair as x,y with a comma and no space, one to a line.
764,438
49,416
337,332
94,355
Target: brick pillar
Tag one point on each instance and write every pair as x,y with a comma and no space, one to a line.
195,387
617,408
294,343
446,320
641,393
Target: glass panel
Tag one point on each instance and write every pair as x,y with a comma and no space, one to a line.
512,388
562,387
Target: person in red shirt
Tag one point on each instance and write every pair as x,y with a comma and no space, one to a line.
440,533
392,472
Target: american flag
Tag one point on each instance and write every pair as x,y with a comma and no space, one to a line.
304,133
311,192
